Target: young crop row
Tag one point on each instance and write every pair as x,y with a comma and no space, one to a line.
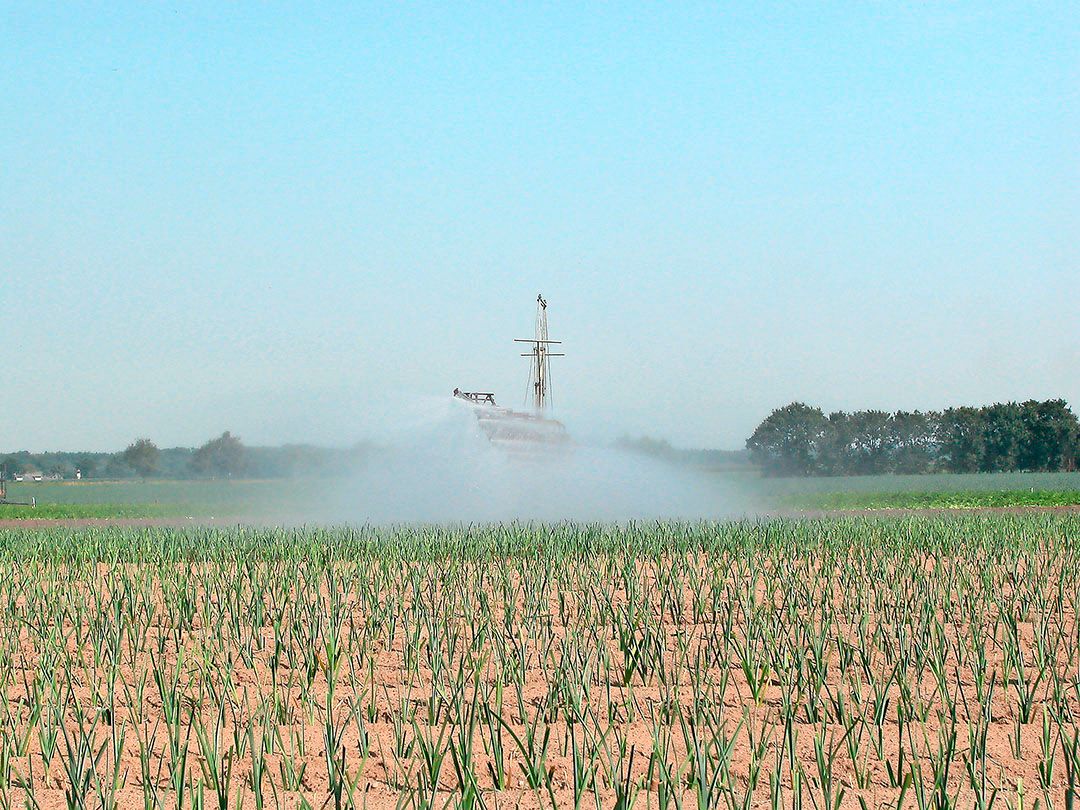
974,499
922,663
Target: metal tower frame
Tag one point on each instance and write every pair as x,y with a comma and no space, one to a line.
539,364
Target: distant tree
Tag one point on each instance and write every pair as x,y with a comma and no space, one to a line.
789,441
1004,437
870,442
836,450
87,465
224,456
176,462
143,457
960,435
12,465
646,445
798,440
911,442
1051,436
116,467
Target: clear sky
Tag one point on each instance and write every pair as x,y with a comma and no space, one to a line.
291,220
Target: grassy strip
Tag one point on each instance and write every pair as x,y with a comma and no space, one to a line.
79,511
850,501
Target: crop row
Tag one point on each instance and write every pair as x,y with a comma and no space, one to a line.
919,662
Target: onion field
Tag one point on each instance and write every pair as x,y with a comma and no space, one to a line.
915,662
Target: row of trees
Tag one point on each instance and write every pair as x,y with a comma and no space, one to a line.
222,457
663,449
801,440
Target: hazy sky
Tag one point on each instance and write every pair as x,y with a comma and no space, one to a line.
292,221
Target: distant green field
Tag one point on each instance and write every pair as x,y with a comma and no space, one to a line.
152,491
150,499
942,482
971,499
79,511
309,498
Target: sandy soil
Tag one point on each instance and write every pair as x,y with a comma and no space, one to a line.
396,692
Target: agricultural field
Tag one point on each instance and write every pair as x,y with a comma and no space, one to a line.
272,501
915,662
971,499
740,493
138,499
941,491
929,483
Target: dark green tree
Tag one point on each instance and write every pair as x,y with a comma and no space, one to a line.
86,464
788,442
1004,436
143,457
960,435
836,450
870,442
224,456
912,446
799,440
14,464
1051,436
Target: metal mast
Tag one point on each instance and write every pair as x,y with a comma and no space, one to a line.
539,365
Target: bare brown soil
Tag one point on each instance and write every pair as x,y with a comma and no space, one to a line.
416,687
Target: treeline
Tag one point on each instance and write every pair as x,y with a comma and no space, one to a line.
222,457
1034,436
663,449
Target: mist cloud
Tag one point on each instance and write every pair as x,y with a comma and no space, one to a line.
436,465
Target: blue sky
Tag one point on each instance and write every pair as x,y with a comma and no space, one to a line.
293,222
